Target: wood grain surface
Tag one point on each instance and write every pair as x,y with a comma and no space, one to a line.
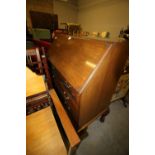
42,134
101,85
92,68
65,121
76,58
34,83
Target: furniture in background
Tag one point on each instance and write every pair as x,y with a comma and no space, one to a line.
37,61
72,28
85,73
33,60
42,131
44,20
124,33
34,38
43,24
28,34
122,87
41,34
100,34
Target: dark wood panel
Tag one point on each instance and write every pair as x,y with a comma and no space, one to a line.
44,20
70,104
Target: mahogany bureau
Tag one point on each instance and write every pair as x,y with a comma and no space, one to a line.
85,73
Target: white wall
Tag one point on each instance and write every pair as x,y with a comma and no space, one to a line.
66,11
103,15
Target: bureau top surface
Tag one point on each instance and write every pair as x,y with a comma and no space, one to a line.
76,58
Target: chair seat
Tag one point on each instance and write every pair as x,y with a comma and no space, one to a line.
34,83
42,134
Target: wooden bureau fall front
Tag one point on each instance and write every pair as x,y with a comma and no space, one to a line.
85,73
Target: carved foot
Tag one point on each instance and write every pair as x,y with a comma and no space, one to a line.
106,112
83,134
125,103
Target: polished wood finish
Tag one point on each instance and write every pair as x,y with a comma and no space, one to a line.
36,93
85,74
42,134
44,20
97,94
36,102
34,83
72,136
74,58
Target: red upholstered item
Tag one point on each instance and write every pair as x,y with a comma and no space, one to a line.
41,43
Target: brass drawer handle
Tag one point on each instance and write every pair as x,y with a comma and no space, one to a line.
68,108
66,95
67,98
66,85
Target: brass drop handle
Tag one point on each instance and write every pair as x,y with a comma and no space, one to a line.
66,85
66,96
68,108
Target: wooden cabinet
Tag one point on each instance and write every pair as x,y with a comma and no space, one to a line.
85,73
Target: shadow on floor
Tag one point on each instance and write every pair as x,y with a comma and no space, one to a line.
110,137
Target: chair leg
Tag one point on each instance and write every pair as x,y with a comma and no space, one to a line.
48,77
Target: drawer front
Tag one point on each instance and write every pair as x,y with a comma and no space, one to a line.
68,100
67,95
66,85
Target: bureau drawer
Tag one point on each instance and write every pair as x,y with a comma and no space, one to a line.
56,75
67,96
67,100
71,108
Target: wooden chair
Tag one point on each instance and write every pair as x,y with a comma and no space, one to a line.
33,60
36,92
38,63
43,134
